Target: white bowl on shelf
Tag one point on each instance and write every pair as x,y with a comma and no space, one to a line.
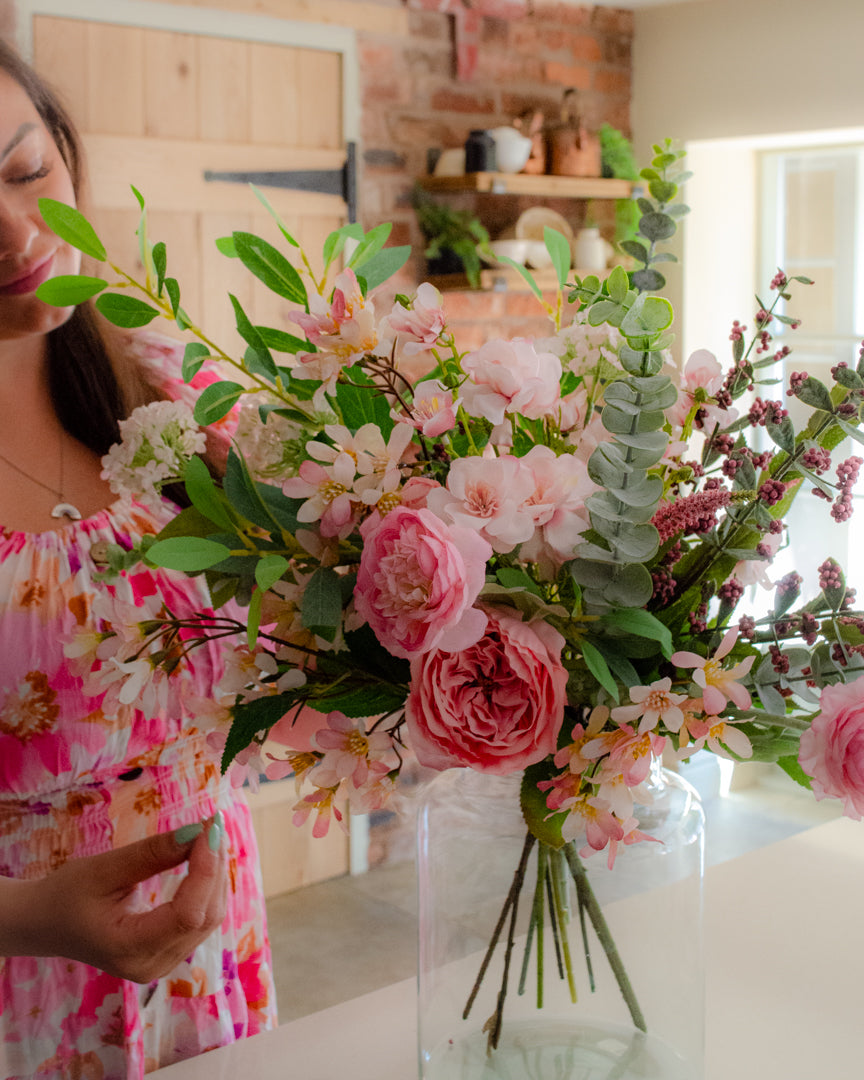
537,255
512,149
530,225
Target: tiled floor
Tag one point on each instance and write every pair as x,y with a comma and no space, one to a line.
351,935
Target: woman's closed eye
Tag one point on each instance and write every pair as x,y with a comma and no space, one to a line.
28,176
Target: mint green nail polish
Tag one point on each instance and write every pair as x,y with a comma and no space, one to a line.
186,833
214,835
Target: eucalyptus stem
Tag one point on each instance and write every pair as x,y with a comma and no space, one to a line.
601,928
559,893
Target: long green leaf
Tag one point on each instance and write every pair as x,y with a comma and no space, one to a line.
67,290
186,553
126,311
269,265
71,225
599,668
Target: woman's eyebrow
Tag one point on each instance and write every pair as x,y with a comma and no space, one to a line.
20,134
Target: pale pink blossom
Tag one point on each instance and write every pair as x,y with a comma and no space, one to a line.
755,571
654,703
349,752
718,735
627,753
321,802
418,580
433,410
511,377
557,506
488,496
719,685
326,490
571,755
379,462
831,750
420,325
701,372
496,706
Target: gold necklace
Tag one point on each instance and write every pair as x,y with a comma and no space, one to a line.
62,509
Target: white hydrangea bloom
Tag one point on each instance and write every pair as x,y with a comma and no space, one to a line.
581,347
157,441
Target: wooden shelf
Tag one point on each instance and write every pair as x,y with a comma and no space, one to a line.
571,187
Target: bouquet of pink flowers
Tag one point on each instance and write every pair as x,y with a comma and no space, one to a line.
522,558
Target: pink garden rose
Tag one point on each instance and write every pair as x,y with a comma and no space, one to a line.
832,748
511,377
495,707
418,580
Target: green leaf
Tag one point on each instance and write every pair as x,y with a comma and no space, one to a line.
250,718
363,405
642,624
270,266
321,610
173,290
815,394
67,290
245,496
513,578
186,553
71,225
599,668
269,570
618,285
216,401
265,202
281,341
251,336
225,244
194,356
363,701
126,311
648,280
656,226
384,265
370,245
558,247
789,764
253,618
782,434
204,495
160,263
662,190
524,273
546,827
632,587
335,242
635,249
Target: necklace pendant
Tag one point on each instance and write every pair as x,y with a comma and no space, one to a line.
67,510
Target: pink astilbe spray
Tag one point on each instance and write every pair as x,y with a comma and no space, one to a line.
694,513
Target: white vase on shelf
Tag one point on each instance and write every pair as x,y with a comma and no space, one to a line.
590,250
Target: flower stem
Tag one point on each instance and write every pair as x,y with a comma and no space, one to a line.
601,928
554,924
511,899
559,893
542,860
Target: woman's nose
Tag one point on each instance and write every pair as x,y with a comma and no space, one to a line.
18,230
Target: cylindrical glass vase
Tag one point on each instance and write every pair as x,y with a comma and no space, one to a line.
601,971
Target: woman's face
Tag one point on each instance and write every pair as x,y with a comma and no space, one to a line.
31,168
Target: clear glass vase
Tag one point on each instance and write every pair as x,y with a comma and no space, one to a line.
621,999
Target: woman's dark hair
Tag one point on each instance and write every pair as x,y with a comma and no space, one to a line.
89,393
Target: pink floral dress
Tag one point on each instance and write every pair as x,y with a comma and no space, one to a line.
75,781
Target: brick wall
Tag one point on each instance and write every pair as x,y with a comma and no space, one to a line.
412,101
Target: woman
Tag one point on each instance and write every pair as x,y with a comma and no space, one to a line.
78,781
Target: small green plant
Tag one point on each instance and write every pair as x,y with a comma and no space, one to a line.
446,229
616,155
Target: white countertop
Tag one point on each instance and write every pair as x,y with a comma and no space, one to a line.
785,1001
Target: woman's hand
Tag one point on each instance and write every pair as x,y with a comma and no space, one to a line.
85,909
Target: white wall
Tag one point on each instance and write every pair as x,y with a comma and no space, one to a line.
737,69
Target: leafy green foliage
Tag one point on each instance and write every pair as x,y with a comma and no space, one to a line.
71,225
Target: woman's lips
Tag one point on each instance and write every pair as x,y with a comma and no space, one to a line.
30,280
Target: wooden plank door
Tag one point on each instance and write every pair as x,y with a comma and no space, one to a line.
157,109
